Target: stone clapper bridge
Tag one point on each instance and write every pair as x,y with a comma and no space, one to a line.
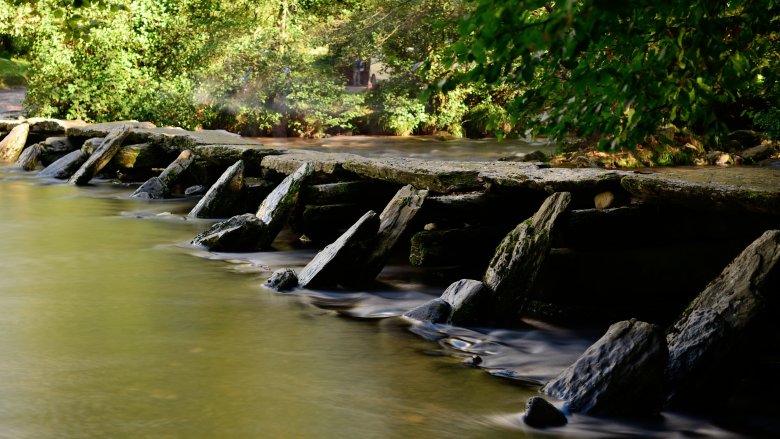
632,246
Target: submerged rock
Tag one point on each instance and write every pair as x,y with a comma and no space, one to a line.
282,279
12,145
223,197
434,311
702,340
276,207
64,167
237,234
100,157
30,157
541,414
621,374
513,269
335,263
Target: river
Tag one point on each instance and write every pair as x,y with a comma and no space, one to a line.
113,326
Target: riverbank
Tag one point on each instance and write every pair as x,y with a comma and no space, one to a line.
611,228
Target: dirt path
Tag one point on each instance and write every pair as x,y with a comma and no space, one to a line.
11,102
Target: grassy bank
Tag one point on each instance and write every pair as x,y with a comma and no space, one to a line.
13,73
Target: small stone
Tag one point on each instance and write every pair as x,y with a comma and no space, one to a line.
473,361
541,414
434,311
282,279
604,200
430,226
192,191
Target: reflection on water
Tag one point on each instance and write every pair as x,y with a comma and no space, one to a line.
111,328
423,147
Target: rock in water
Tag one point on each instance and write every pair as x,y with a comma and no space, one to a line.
13,144
100,157
621,374
30,157
160,186
434,311
716,322
151,189
513,269
467,298
276,207
541,414
223,196
335,263
282,279
237,234
66,166
392,224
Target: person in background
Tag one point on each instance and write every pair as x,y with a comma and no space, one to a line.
357,70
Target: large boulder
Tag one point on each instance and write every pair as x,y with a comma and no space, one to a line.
100,157
703,340
336,262
160,186
517,260
622,374
64,167
30,157
276,207
393,220
223,196
237,234
12,145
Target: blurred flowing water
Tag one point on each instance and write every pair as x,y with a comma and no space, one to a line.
113,326
421,147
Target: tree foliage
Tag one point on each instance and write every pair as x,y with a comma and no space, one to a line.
619,71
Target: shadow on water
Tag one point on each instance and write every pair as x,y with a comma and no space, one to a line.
112,329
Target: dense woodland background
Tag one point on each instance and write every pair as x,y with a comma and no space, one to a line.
616,74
